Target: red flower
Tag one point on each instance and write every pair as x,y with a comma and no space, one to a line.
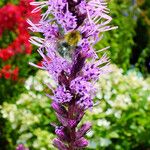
15,74
13,18
7,75
6,67
26,9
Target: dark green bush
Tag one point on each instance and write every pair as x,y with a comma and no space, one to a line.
130,43
120,40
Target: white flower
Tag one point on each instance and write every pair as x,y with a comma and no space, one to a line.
105,142
103,122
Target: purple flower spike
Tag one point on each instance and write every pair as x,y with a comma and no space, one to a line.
70,29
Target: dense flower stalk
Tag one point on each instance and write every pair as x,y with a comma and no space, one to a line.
70,28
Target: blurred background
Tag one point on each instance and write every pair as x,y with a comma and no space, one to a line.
121,120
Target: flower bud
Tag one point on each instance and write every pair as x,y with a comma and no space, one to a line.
59,109
60,132
66,122
82,131
61,146
81,143
63,120
80,116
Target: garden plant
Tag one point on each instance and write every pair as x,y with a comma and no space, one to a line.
117,115
69,31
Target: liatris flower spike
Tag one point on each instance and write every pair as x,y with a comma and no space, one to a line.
69,30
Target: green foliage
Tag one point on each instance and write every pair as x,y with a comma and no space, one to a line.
120,121
129,44
120,40
141,49
4,2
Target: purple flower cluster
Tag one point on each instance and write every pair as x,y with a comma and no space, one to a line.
69,30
